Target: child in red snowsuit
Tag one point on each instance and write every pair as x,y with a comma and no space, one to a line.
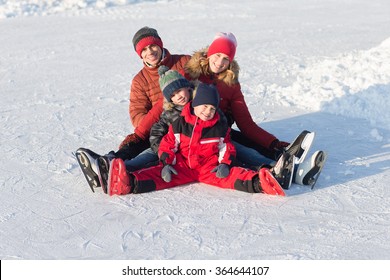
197,148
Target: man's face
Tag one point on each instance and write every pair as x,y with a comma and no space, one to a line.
151,55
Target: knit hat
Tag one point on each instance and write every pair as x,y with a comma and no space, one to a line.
144,37
206,94
170,81
225,43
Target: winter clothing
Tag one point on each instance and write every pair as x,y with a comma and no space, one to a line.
225,43
190,152
232,100
206,94
170,81
222,170
144,37
194,147
159,129
129,140
146,99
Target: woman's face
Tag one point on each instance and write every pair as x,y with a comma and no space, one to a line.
151,55
218,62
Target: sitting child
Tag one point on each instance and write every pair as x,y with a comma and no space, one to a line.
197,148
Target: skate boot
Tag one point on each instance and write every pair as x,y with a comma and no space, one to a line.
301,145
104,169
283,170
268,184
88,162
118,179
307,172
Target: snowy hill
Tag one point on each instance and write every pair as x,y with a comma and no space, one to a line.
65,71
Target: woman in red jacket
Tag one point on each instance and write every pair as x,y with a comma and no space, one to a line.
197,148
216,65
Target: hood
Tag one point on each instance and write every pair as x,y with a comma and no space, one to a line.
198,65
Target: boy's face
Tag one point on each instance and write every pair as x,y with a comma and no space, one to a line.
205,112
181,96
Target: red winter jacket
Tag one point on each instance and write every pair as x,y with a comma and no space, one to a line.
146,98
232,100
199,142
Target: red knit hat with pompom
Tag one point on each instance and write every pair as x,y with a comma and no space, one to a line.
225,43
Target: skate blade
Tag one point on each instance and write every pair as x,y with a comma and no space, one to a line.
85,166
320,162
102,169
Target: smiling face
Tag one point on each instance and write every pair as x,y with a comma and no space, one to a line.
151,55
205,112
181,96
218,62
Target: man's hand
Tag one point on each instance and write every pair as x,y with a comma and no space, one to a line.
130,139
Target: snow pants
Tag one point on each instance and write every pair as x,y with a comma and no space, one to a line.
149,179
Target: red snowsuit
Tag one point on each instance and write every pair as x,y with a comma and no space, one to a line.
194,147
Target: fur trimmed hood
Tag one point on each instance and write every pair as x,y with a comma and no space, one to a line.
198,65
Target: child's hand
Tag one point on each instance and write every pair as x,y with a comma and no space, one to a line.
222,170
166,173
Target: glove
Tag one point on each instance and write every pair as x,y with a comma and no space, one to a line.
166,173
222,170
278,147
130,139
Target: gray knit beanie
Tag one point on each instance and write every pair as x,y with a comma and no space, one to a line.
144,37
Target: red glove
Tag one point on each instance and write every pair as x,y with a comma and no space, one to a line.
130,139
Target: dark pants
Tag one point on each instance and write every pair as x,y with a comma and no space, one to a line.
132,150
238,137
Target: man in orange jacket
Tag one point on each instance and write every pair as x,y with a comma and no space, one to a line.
145,107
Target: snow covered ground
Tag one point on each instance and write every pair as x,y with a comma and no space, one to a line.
65,71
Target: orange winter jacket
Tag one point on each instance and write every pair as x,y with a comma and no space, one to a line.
146,98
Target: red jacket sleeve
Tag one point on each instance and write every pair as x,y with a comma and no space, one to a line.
169,147
144,126
227,151
245,122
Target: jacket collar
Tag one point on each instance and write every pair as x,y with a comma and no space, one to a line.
189,117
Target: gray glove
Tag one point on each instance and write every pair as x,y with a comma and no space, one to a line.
222,170
166,173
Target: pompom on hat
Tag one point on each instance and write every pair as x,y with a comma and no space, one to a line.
144,37
170,81
225,43
206,94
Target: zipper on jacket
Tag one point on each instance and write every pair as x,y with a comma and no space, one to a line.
190,145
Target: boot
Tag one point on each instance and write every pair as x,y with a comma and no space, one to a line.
283,170
118,178
268,184
88,161
307,172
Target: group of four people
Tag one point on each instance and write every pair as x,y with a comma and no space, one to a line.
182,108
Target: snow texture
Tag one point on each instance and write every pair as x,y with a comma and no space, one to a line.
65,72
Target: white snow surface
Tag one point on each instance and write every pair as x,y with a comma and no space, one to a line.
65,73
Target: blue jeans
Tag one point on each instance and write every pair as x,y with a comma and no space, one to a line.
247,156
145,159
250,157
